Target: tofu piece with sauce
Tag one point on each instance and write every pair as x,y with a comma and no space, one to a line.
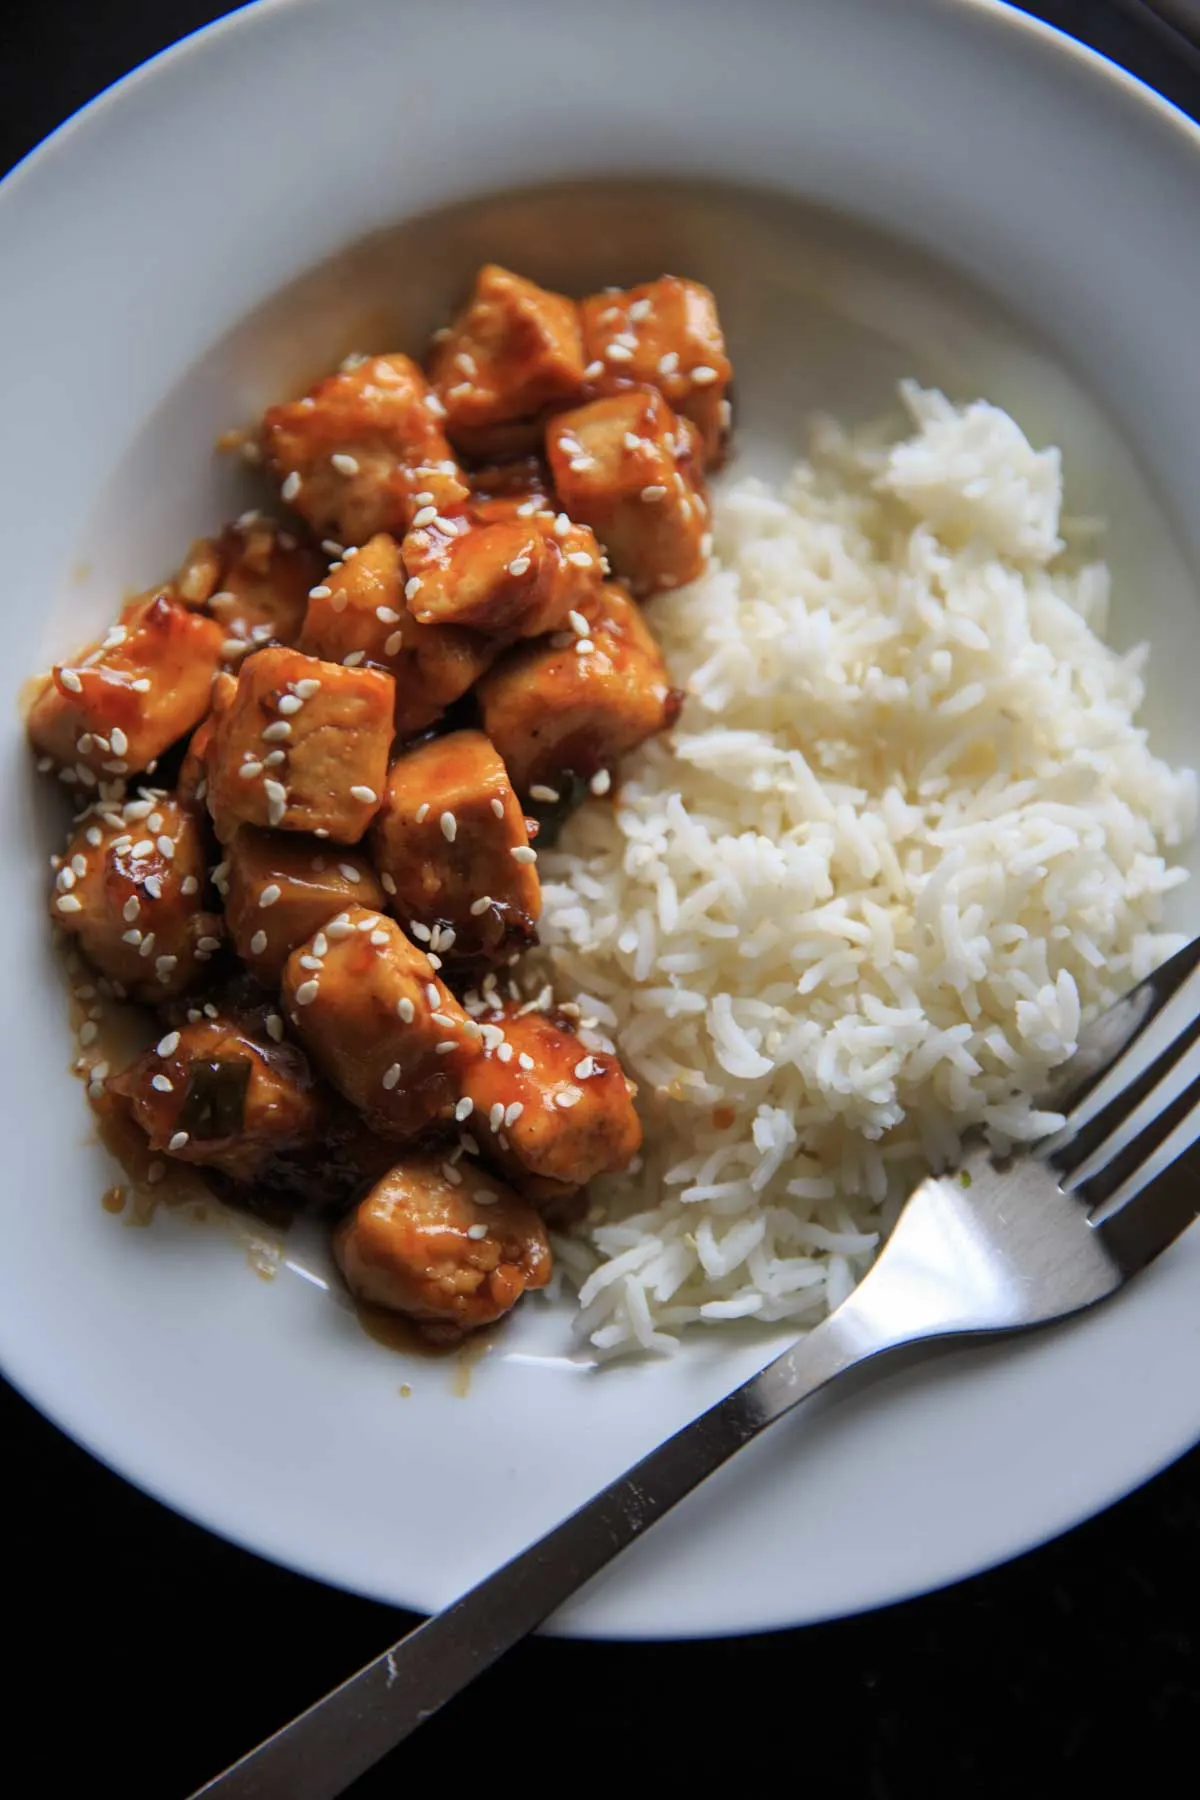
514,350
214,1092
518,576
302,746
119,706
448,1245
363,450
452,844
367,1005
575,703
280,887
253,580
629,467
664,334
358,614
547,1112
130,889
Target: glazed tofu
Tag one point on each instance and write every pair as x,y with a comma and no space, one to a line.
302,746
515,350
545,1110
254,580
664,334
130,890
358,614
449,1245
577,704
512,490
126,701
629,467
213,1092
280,887
517,577
368,1007
363,451
452,845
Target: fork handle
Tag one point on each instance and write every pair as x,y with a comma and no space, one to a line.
321,1752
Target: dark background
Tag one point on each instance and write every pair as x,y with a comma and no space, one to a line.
145,1653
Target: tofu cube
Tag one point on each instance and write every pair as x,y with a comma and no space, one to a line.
358,614
628,467
517,577
575,705
547,1112
452,843
663,334
254,580
515,350
302,747
131,890
450,1246
367,1006
123,703
280,887
215,1093
359,453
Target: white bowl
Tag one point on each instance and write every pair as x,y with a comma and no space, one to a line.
873,189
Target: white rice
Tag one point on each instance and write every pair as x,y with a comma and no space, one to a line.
906,839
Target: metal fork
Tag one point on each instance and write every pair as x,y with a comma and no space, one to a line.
986,1249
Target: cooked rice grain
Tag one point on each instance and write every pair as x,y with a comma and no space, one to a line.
906,839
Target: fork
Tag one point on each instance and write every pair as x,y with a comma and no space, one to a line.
995,1246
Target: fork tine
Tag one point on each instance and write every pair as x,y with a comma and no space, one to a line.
1156,1215
1088,1139
1106,1039
1106,1181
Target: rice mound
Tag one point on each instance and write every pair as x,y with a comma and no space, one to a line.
905,840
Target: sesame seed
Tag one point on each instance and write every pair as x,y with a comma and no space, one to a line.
131,909
583,1069
593,371
277,731
273,758
234,647
339,602
441,1018
496,1116
422,812
703,376
668,364
344,464
352,659
640,309
406,1010
70,680
379,938
421,932
167,1046
424,516
68,903
562,525
118,740
153,886
155,822
270,894
311,962
567,1097
497,805
291,486
448,937
365,925
310,685
178,1141
522,853
88,1032
476,1231
141,685
146,947
578,464
322,591
349,872
367,795
618,353
424,498
480,906
432,995
449,825
275,1027
391,1076
166,847
394,644
513,1111
66,880
584,646
250,771
189,886
525,1060
464,1108
320,944
654,492
132,936
275,791
306,993
580,559
386,882
162,1084
601,782
504,1053
258,943
519,565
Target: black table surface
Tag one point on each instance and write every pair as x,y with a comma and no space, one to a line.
147,1653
